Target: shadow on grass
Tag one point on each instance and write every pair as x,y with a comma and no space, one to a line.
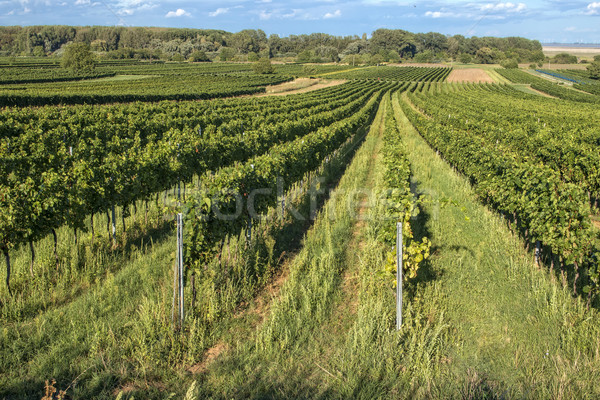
289,238
87,258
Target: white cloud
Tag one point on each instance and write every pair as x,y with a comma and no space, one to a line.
593,8
218,12
504,7
180,12
440,14
265,15
292,14
335,14
82,2
491,11
433,14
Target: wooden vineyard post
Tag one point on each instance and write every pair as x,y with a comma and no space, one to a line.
538,253
398,275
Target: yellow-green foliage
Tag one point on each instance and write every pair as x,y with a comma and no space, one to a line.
399,203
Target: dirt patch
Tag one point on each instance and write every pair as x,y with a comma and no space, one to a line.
132,387
595,220
300,85
210,356
476,75
271,291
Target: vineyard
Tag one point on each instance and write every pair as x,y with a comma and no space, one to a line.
409,74
288,210
543,85
538,168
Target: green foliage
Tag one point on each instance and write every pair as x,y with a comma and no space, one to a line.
564,58
486,55
199,56
424,57
78,57
284,164
38,51
393,56
305,57
81,173
394,73
143,42
226,54
263,66
309,70
133,54
177,57
401,41
594,70
377,59
546,86
504,153
253,57
139,81
510,64
399,203
327,53
465,58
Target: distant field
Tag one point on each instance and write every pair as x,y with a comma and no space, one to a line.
469,75
581,52
557,66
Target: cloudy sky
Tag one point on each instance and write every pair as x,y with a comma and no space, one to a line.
545,20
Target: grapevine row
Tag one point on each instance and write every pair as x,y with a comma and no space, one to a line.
279,169
46,185
534,196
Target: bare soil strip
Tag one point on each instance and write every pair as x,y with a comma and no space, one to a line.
476,75
299,85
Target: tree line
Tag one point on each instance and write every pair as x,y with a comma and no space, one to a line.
389,45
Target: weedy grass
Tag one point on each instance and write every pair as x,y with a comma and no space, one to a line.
518,332
480,319
111,331
331,332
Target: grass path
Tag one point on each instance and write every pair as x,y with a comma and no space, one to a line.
496,76
480,320
298,350
518,333
117,335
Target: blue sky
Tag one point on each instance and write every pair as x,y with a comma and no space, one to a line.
545,20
